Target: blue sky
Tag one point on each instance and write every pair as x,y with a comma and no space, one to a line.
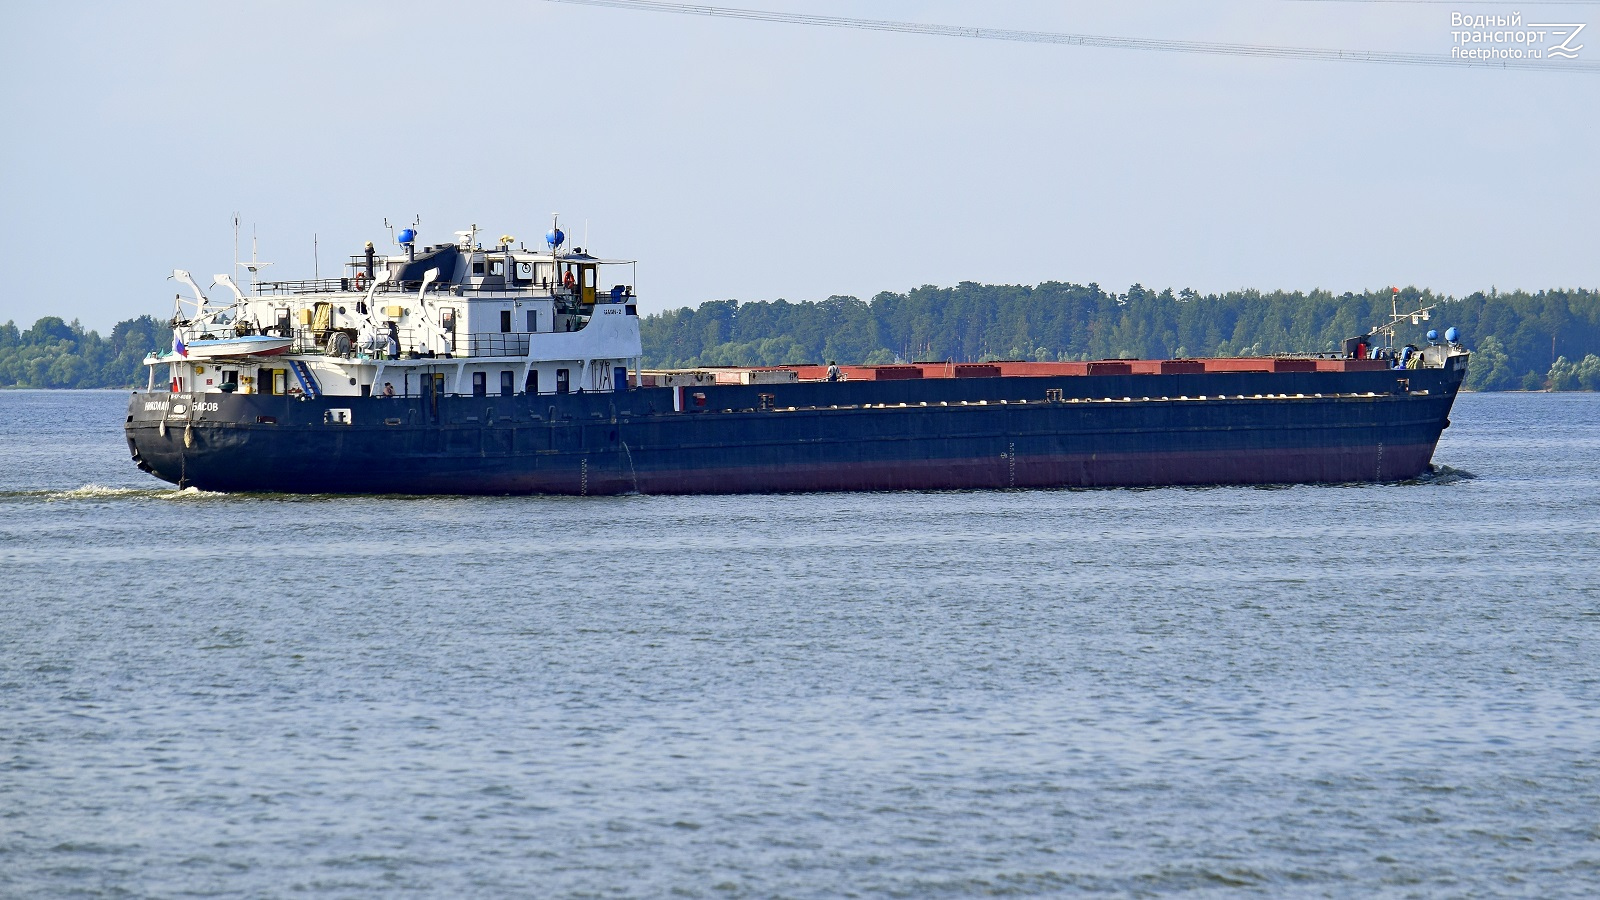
756,161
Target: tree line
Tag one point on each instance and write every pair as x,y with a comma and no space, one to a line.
58,354
1522,340
1530,341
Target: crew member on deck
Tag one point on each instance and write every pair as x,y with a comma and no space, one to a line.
833,370
388,389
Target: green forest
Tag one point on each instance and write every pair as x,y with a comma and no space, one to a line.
57,354
1522,341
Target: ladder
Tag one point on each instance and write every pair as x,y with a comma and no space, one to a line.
308,381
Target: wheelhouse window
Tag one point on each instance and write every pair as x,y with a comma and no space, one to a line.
497,267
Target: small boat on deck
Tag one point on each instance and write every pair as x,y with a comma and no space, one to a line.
230,347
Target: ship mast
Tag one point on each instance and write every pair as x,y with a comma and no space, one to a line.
1418,316
254,265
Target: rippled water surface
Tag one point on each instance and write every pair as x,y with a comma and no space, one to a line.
1344,691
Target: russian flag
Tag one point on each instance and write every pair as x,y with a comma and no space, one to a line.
179,347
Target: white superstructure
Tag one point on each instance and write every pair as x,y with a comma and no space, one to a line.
452,318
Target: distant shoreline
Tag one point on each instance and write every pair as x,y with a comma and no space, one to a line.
1520,341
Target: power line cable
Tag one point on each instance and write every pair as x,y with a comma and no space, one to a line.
1519,3
1257,51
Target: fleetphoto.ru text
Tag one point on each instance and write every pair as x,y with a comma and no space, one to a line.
1493,36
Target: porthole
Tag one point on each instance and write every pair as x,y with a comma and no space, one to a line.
352,381
341,310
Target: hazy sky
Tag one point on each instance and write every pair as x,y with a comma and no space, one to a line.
755,161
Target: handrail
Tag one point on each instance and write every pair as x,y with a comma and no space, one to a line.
361,286
307,286
498,343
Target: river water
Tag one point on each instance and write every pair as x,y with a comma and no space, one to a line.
1346,691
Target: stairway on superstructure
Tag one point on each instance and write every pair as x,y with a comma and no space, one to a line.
308,381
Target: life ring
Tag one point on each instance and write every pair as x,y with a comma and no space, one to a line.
361,280
568,280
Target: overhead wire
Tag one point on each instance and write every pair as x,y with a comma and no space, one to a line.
1256,51
1463,2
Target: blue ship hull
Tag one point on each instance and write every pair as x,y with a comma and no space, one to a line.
1010,432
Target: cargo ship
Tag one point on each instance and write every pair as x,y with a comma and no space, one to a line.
460,368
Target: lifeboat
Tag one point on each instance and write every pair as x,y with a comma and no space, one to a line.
250,345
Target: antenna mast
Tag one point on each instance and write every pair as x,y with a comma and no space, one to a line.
1419,315
255,265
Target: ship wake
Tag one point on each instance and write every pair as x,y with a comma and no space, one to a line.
1442,475
101,493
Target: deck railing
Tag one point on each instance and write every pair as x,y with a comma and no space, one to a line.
497,343
360,285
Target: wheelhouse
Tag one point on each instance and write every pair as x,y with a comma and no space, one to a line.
457,316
